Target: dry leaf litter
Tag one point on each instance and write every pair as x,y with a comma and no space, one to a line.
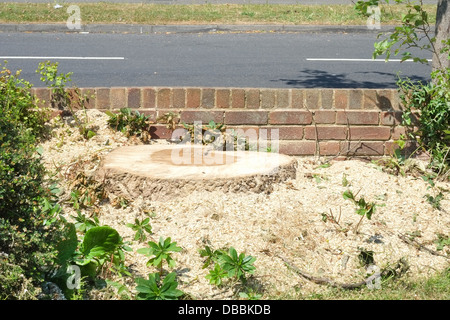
288,222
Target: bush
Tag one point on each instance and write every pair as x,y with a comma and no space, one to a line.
432,101
28,227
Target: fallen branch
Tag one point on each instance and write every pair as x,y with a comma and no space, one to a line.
402,267
420,246
327,281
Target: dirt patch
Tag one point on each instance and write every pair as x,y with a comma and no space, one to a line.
288,222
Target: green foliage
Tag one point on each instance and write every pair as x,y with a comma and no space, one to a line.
227,264
159,252
216,275
442,241
153,289
432,101
29,223
84,223
141,227
363,208
130,123
18,104
405,35
65,99
238,265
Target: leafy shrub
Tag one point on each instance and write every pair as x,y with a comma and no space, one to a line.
153,289
29,227
130,123
432,101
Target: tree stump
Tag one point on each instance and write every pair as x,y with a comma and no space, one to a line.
159,172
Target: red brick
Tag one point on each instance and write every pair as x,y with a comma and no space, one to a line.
103,98
312,98
325,116
385,99
268,98
208,98
397,132
118,98
179,98
90,97
370,99
389,147
326,133
357,117
203,116
246,117
149,113
43,95
297,148
287,133
364,148
148,98
238,98
328,148
283,98
326,97
341,98
370,133
160,132
193,97
390,118
134,97
355,99
164,98
222,98
252,98
297,99
290,117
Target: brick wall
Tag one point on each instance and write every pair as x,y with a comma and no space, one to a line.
357,122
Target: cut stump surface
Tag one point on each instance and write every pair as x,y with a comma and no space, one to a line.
166,171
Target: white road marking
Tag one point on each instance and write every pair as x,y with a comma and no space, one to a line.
359,60
61,58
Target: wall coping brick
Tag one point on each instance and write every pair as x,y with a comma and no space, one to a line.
339,119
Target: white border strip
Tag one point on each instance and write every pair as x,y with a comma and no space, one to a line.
62,58
360,60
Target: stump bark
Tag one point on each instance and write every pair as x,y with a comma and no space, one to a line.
159,172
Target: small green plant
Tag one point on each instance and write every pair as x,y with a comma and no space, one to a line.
216,275
363,208
442,241
227,264
345,182
153,289
159,252
130,123
65,99
141,227
170,119
84,223
435,201
250,295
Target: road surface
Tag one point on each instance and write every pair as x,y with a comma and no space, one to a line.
281,60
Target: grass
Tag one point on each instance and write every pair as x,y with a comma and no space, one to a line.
157,14
436,287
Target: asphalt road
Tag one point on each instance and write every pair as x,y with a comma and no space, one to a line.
282,60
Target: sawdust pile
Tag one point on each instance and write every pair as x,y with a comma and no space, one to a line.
287,223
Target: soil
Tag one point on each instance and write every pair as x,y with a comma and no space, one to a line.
293,222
